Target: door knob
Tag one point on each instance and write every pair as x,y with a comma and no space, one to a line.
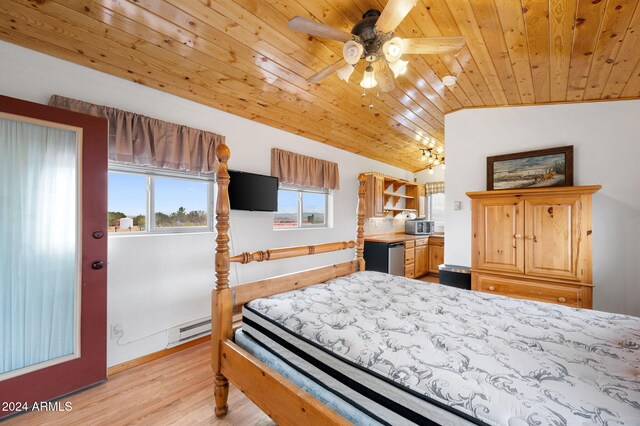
98,264
97,234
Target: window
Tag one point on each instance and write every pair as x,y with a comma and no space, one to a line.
435,208
301,208
143,200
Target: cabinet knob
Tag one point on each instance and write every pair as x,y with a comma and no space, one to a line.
561,299
491,288
517,236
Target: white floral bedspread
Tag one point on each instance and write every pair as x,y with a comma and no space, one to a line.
501,360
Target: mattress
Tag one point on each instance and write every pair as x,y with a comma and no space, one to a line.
406,352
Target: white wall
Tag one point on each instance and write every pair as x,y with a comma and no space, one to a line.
437,176
606,140
156,282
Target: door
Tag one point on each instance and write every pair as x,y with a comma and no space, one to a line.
551,231
499,231
53,204
378,196
436,258
422,261
422,201
374,196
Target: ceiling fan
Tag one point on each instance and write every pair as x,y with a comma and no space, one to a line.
373,39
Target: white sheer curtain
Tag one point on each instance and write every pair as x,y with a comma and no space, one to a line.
38,222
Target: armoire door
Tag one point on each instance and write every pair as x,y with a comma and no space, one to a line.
499,232
53,248
552,226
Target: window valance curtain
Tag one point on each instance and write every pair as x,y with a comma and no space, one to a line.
138,139
296,169
435,188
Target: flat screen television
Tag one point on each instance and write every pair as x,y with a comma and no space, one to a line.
249,191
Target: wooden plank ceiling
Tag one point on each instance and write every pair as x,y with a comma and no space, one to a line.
239,56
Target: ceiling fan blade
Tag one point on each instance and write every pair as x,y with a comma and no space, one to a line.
393,13
326,72
304,25
432,45
383,76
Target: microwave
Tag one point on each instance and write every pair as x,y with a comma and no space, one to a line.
419,227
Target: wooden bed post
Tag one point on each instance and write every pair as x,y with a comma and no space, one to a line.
362,178
221,299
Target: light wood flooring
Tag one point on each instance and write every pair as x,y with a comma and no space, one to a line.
175,390
430,279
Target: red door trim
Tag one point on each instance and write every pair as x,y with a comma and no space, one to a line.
91,367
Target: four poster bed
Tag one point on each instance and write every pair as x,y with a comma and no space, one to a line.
378,349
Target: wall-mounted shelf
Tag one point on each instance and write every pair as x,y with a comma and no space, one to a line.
383,189
398,195
399,210
395,198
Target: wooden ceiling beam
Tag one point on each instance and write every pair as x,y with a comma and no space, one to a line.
623,66
467,23
240,56
439,20
494,39
617,17
208,13
513,28
297,92
255,108
536,18
588,20
561,28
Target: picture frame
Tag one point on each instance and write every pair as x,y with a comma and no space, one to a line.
531,169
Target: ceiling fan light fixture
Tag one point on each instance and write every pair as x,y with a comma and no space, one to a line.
449,80
398,67
368,80
345,72
393,49
352,51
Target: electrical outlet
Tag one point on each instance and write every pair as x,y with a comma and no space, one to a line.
116,331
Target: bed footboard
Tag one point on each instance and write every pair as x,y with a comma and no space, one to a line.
280,399
284,402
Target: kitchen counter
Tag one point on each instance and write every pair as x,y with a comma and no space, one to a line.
398,237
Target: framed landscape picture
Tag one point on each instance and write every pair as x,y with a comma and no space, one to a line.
531,169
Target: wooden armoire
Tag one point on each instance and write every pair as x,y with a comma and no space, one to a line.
534,244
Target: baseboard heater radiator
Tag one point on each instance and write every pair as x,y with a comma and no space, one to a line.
189,331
